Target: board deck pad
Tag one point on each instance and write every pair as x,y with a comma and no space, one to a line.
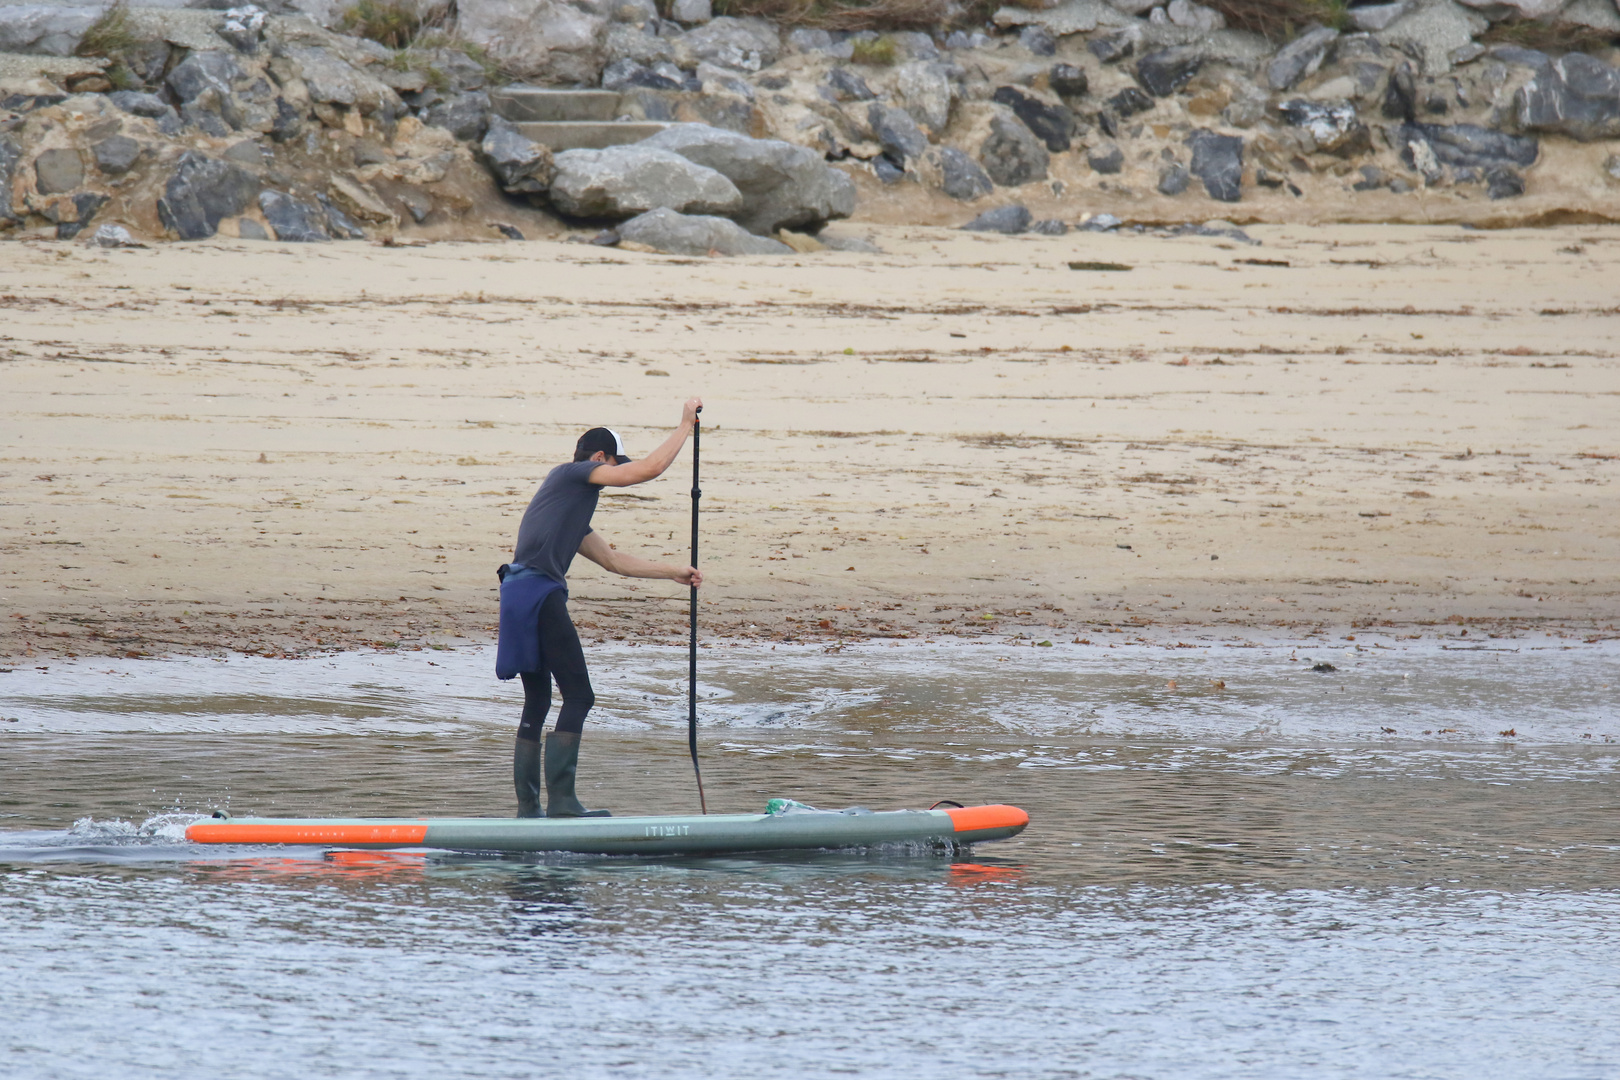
791,826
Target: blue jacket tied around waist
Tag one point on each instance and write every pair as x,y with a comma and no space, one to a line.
522,592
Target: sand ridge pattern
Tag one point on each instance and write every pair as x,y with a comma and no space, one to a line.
1382,431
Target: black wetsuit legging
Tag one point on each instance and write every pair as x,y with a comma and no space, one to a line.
561,658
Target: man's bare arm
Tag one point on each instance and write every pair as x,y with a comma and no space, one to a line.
653,465
600,552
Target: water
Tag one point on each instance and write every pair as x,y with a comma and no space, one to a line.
1254,880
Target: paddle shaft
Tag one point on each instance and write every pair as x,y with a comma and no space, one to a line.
691,652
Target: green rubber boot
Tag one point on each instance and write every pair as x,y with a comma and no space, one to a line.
562,762
526,777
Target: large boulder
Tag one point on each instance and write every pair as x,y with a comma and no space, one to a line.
10,154
960,176
1012,155
684,234
295,222
333,81
1217,160
1053,124
1300,57
726,42
202,192
543,40
926,91
783,186
521,165
902,140
1467,146
1332,125
623,181
1576,95
1164,72
45,29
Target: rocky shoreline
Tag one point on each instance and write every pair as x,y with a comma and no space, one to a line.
736,135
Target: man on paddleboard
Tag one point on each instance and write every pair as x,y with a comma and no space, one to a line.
537,639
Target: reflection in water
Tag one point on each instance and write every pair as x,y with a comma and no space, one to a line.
1259,881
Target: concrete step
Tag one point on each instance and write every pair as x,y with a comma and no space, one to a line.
540,103
562,135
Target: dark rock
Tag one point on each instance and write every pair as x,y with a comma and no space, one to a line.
605,238
209,69
886,170
1115,45
288,124
1128,102
1068,81
1164,72
1267,180
1050,227
248,229
696,234
58,171
519,164
783,186
961,176
1038,40
1100,223
1514,54
1012,155
1053,124
1400,185
85,206
1503,183
1010,220
203,191
511,232
141,104
1576,95
10,154
1107,159
295,222
338,224
1333,126
897,133
1468,145
1300,57
243,27
1173,179
466,115
205,119
116,156
1324,666
1372,178
849,86
1400,94
1436,105
1217,160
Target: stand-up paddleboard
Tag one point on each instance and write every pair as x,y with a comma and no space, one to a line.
792,827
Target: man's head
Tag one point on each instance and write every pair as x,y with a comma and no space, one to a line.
601,440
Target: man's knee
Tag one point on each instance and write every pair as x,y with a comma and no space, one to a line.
580,697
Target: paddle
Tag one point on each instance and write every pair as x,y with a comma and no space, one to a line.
691,674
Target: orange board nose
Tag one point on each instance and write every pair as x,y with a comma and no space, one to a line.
229,832
995,816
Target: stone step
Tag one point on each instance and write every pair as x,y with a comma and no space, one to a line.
540,103
562,135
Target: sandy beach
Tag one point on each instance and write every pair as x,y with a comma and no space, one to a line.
1377,430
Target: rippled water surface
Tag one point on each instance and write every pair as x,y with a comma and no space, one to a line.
1237,866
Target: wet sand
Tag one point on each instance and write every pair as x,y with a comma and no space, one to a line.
1376,430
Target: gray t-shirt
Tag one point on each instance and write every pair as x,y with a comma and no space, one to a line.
557,520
